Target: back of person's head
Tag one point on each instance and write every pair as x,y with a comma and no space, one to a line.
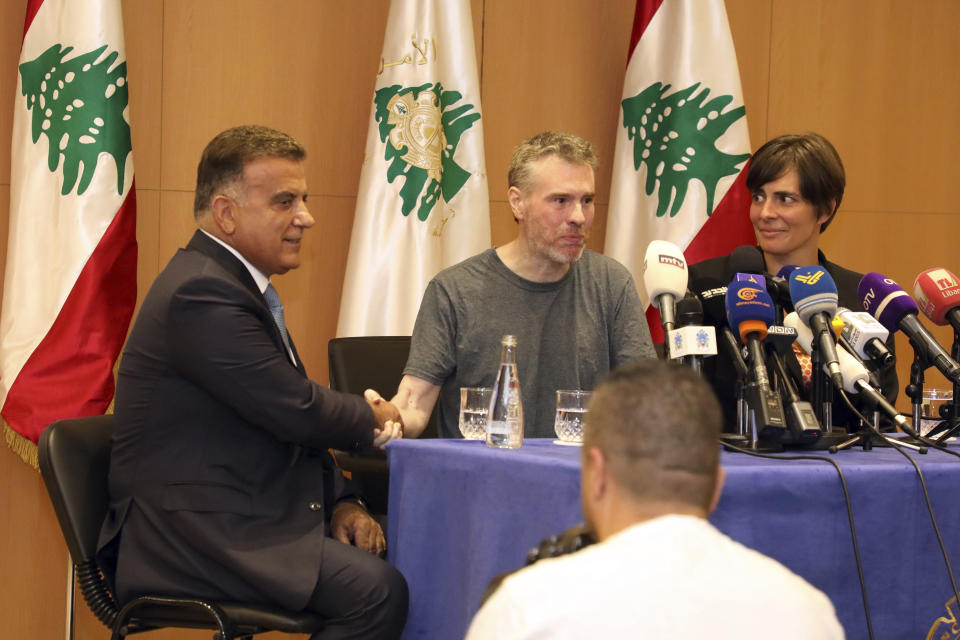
818,166
657,424
566,146
225,157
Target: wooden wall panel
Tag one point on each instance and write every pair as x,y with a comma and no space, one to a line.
33,555
750,27
144,43
148,229
307,70
11,35
553,65
882,81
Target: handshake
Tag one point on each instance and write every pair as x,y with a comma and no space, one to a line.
389,420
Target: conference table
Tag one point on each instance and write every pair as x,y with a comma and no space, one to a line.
461,513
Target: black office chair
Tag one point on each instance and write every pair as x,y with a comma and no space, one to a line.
370,362
74,457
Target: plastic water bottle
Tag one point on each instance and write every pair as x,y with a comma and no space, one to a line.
505,417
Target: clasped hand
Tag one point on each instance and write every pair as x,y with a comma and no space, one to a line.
389,421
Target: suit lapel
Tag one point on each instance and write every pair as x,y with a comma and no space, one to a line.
202,243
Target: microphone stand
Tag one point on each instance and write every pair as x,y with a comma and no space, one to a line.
950,425
746,436
869,437
914,390
822,388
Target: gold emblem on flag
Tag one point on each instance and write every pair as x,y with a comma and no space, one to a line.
418,127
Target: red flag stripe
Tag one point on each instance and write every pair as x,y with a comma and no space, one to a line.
70,373
641,18
728,226
32,7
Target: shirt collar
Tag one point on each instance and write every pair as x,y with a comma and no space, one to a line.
259,278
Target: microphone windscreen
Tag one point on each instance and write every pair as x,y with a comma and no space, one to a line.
689,311
850,368
713,295
746,259
749,308
804,334
813,291
885,300
786,271
937,291
664,271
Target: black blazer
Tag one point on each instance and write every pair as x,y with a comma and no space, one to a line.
220,479
719,371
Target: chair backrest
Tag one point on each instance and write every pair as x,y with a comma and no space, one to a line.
371,362
74,459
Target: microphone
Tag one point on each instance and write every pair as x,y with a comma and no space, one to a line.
712,295
786,270
691,341
866,336
885,300
801,418
750,312
815,300
747,259
854,376
937,292
665,279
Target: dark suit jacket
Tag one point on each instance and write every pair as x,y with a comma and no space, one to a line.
220,480
719,371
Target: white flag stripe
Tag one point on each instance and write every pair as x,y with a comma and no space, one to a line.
686,42
392,256
51,236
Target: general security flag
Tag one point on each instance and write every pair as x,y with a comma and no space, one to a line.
423,203
682,140
70,280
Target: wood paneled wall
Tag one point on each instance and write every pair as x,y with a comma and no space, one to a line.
880,78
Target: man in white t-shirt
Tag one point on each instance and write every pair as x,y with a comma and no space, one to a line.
650,478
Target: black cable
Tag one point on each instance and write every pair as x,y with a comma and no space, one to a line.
846,499
923,485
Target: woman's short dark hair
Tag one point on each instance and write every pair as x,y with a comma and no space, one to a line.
818,166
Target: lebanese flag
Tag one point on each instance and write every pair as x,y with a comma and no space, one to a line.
682,141
70,281
423,203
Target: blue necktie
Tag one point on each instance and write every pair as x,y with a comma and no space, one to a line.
276,309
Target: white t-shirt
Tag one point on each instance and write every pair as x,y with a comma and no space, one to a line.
671,577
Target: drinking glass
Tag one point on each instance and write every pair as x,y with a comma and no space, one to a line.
571,410
474,405
933,399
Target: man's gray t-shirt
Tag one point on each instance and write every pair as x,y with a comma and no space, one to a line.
570,333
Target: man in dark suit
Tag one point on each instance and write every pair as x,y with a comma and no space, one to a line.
220,481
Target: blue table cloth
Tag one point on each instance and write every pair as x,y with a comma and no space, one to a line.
460,513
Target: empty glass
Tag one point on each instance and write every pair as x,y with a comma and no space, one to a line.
933,399
474,405
571,410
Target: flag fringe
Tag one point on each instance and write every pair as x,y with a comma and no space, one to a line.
21,446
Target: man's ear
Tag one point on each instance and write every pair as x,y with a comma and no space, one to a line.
515,198
224,212
718,488
596,470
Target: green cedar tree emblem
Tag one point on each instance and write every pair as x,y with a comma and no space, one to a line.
675,136
424,126
78,105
